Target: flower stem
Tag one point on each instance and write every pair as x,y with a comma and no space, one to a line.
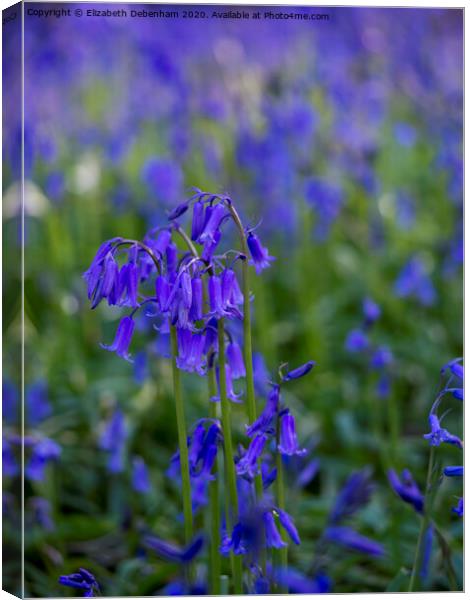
182,441
214,506
425,519
228,449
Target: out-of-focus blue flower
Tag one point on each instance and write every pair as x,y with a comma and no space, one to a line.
173,553
273,537
164,179
113,441
297,583
37,403
453,471
43,452
141,367
231,394
235,360
458,510
438,435
42,513
413,281
405,134
356,341
261,374
355,494
326,198
10,401
407,489
347,537
405,211
83,580
122,339
54,186
371,311
381,358
10,466
299,371
140,476
260,257
288,443
383,385
427,552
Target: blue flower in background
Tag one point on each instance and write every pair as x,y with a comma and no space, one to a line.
163,178
347,537
407,489
356,341
83,580
44,451
140,476
326,198
414,282
113,441
37,404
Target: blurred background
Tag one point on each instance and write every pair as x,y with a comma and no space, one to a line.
343,137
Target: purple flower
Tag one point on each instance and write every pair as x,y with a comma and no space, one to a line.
9,465
288,444
235,360
163,177
83,580
299,371
356,341
10,401
44,451
217,308
427,553
453,471
371,311
196,310
209,247
355,494
458,510
347,537
248,464
299,584
113,441
128,283
37,403
259,254
413,281
231,395
122,339
103,275
214,217
43,513
140,476
438,435
288,524
198,221
264,422
407,489
454,367
273,537
326,198
381,358
191,351
172,553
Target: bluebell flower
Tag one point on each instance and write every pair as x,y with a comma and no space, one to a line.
83,580
273,537
260,257
196,310
113,441
371,311
37,403
427,552
198,220
356,341
163,177
454,367
326,198
248,463
141,367
355,494
297,583
261,374
383,386
458,510
288,524
54,185
173,553
191,356
210,246
307,473
122,338
407,489
42,511
235,360
140,476
288,444
263,423
231,394
213,220
413,281
438,435
10,467
453,471
128,283
381,358
10,401
347,537
43,452
299,371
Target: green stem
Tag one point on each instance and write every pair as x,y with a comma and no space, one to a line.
182,441
214,506
425,520
228,450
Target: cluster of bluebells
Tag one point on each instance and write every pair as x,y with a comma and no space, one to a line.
453,373
189,291
379,357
